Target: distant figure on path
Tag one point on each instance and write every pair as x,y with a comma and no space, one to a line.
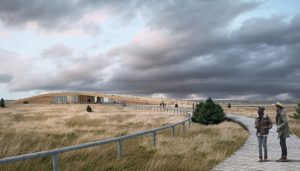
262,123
282,129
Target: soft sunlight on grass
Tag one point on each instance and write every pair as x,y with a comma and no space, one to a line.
32,128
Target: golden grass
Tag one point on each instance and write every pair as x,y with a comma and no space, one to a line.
270,110
32,128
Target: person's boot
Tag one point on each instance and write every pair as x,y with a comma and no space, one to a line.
265,158
260,159
282,159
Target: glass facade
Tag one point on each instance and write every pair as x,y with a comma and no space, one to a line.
60,99
74,99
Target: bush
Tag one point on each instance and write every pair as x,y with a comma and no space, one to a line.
208,112
89,108
176,105
297,114
229,105
2,103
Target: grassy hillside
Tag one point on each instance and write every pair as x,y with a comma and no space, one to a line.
32,128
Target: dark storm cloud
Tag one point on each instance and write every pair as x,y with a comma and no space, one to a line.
45,13
272,31
59,13
221,76
261,67
187,29
81,74
4,78
57,51
198,16
186,48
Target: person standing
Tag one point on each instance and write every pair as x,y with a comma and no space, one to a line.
262,123
282,130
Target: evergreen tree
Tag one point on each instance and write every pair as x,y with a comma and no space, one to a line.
2,103
297,114
89,108
208,112
229,105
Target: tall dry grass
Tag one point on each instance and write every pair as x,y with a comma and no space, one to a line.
251,111
32,128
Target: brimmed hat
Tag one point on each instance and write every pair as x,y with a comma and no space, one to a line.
279,104
261,108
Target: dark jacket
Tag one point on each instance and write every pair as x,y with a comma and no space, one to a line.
282,123
263,125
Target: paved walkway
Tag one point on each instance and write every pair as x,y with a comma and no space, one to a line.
246,158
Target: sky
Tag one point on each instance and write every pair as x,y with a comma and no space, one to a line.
224,49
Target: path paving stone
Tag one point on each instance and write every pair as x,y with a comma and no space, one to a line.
246,158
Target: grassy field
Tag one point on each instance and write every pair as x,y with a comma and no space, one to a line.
32,128
270,110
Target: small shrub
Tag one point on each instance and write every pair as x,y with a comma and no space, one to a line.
297,114
208,112
229,105
176,105
89,108
2,103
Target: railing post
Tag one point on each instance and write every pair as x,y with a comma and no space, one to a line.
55,161
154,138
55,155
120,150
173,131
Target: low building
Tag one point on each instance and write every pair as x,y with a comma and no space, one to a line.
80,98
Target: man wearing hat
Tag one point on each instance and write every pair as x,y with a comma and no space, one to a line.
262,123
282,129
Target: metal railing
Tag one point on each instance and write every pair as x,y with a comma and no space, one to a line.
56,152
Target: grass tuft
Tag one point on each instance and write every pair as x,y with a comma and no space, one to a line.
32,128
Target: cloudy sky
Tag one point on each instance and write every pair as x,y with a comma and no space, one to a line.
184,49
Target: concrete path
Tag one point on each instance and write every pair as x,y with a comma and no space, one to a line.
246,158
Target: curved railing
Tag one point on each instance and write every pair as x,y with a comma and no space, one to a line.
56,152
